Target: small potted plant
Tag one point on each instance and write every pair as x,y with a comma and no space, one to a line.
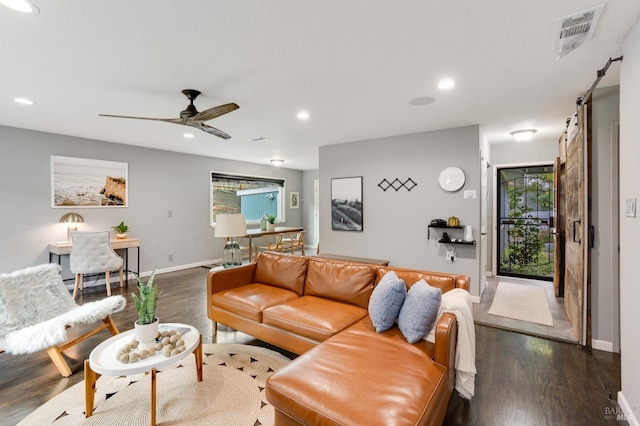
147,324
121,230
272,222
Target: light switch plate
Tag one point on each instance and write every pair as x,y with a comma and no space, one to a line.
631,207
469,194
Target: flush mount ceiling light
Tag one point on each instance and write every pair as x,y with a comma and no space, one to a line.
523,135
277,162
23,101
23,6
188,135
423,100
446,83
303,115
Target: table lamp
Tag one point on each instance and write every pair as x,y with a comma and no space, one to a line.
71,219
229,226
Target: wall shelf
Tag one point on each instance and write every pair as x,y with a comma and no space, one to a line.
451,241
469,243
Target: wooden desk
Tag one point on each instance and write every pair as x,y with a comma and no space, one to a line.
257,233
353,259
62,248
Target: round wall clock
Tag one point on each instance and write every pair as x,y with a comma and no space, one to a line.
451,179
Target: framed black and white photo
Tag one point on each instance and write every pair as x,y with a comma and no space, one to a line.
294,200
346,204
83,182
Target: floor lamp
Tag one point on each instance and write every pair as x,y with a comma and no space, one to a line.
229,226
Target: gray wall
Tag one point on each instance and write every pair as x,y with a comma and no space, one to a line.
159,181
395,223
630,227
605,115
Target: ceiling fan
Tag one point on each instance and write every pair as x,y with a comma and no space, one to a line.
191,117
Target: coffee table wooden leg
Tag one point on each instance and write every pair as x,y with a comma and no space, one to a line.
90,378
153,397
198,353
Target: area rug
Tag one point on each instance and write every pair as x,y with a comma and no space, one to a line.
522,302
231,393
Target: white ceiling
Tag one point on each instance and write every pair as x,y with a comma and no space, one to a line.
354,65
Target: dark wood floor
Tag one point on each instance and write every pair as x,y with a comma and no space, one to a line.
521,379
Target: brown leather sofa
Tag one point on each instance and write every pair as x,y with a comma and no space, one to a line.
347,372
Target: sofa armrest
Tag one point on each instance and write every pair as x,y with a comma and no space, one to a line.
225,279
446,335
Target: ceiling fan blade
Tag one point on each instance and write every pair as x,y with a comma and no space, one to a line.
168,120
200,125
214,112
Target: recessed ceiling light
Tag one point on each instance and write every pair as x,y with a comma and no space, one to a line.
523,135
23,101
188,135
277,162
23,6
446,83
303,115
423,100
259,139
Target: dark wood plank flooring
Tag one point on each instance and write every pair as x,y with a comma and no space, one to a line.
521,379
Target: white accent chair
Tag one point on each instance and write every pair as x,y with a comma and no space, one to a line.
91,253
36,309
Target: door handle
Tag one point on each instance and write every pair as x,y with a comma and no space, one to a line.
574,231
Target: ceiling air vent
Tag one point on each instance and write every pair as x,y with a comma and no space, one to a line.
574,30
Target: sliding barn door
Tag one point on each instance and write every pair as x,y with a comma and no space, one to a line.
577,276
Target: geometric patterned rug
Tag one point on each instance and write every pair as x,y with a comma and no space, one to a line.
231,393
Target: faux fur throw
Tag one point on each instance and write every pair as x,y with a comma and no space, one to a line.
36,307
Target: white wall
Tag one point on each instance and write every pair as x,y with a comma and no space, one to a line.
158,181
395,222
533,151
629,397
308,177
605,115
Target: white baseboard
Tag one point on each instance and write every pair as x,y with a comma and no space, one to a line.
626,409
602,345
129,276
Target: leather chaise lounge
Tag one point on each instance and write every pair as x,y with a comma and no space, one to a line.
346,373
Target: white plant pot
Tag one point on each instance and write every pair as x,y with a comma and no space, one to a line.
271,227
146,333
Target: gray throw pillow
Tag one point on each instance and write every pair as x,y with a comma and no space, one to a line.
419,311
386,301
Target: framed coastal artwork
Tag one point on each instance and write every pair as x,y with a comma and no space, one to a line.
294,200
83,182
346,204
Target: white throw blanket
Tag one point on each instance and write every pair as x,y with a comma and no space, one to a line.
458,302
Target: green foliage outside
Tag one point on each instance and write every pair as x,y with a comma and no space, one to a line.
525,254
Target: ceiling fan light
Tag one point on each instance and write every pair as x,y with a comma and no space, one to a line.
523,135
277,162
187,135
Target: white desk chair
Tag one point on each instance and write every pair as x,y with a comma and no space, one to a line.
91,253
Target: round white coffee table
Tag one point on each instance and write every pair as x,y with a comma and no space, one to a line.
102,360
